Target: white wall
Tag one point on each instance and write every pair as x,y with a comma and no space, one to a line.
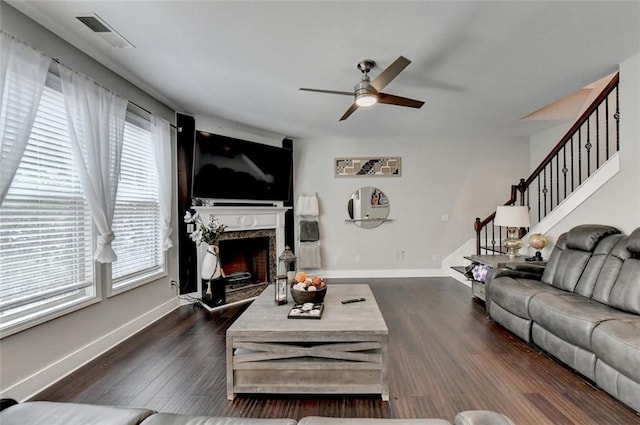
439,177
617,203
542,143
221,126
35,358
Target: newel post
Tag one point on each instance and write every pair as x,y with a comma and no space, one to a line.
522,188
477,226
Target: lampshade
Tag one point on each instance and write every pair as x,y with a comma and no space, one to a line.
365,94
512,216
366,99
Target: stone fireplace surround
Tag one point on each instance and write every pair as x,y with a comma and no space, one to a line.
245,221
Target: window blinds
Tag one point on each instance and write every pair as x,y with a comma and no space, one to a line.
45,225
46,230
136,221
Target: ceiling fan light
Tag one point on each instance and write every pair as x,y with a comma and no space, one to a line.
366,99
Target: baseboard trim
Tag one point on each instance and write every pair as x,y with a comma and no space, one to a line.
338,274
40,380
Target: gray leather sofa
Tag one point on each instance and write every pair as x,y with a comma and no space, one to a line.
52,413
583,308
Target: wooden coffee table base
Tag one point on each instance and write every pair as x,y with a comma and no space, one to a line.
307,356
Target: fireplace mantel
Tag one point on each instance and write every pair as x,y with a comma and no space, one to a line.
245,218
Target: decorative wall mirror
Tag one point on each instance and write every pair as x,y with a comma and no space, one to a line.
368,207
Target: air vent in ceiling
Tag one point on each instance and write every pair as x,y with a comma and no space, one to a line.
103,30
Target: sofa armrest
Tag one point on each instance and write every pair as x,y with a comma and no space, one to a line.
481,417
496,273
516,274
54,413
534,267
6,402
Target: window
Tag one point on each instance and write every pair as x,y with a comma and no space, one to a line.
47,237
46,247
136,220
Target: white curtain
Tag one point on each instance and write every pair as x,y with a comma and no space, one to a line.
23,72
96,119
161,138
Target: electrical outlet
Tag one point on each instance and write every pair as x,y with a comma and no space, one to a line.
434,257
445,217
173,283
357,258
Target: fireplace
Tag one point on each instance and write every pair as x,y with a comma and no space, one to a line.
249,249
248,258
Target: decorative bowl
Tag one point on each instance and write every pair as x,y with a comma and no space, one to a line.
301,297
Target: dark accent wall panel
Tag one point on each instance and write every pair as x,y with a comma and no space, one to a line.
186,248
289,236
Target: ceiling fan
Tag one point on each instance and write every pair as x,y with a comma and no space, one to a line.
368,93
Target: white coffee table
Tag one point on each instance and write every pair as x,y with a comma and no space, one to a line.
345,352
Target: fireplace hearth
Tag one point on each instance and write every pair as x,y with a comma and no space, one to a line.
248,249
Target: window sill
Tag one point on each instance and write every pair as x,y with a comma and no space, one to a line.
23,323
135,283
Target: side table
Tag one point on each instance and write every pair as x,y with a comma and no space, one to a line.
493,261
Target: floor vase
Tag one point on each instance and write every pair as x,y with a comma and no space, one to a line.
210,273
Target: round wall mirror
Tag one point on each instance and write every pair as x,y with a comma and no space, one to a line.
368,207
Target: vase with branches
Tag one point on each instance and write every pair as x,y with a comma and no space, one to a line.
208,233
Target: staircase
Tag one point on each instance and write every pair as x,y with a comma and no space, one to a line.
590,142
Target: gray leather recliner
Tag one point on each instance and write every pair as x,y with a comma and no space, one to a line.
52,413
584,309
574,253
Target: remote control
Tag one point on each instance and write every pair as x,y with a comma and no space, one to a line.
353,300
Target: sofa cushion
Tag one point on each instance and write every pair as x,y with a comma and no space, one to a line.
633,243
617,343
50,413
625,293
572,317
600,255
619,282
610,271
571,255
586,236
514,294
174,419
318,420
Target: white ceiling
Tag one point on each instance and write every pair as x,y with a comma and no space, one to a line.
480,66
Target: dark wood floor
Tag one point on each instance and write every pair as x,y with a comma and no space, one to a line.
445,356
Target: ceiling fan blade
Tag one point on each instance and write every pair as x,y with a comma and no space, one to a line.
391,72
346,93
391,99
350,111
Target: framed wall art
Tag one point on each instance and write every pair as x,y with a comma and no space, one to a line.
368,167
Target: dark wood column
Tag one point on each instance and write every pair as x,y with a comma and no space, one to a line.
289,238
186,248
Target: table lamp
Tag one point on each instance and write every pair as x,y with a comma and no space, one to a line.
512,217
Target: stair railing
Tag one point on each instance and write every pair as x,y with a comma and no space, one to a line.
586,146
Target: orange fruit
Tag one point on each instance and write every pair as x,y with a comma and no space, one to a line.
301,277
316,281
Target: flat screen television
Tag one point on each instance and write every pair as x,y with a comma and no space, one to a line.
235,169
